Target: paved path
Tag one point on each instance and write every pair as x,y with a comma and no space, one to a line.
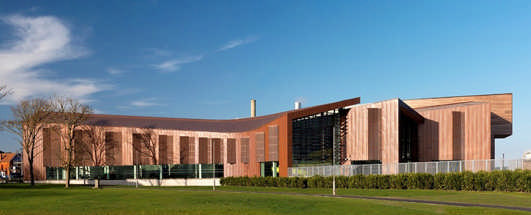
386,199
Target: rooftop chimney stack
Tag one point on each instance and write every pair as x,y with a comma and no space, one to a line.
253,108
298,105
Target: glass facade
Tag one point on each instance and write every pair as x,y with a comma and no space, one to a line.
313,138
138,171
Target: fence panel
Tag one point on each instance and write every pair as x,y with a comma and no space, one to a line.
412,167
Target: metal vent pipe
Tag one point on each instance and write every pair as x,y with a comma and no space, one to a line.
253,108
298,105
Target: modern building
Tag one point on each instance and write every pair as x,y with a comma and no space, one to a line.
385,132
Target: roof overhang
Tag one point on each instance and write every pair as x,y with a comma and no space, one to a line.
410,112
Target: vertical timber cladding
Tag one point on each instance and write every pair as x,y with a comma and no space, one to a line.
358,135
437,131
51,147
231,151
273,143
374,133
187,150
140,151
81,142
357,144
458,132
244,142
389,146
165,149
204,151
478,132
260,146
113,148
46,147
217,145
136,153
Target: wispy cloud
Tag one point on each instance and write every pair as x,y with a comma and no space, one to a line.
235,43
39,41
176,63
145,103
115,71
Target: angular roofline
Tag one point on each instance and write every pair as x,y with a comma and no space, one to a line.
292,114
444,97
213,125
458,104
332,105
406,109
409,111
362,104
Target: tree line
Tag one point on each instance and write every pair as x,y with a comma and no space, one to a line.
68,119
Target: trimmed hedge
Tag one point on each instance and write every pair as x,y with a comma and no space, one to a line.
518,181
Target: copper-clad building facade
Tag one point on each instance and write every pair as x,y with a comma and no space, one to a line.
391,131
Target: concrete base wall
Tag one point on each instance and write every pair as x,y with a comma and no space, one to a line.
141,182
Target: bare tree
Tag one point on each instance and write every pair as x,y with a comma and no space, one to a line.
71,114
145,144
94,146
4,91
30,117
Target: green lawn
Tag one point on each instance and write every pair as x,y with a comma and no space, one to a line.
494,198
128,200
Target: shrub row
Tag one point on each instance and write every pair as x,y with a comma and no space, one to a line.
519,180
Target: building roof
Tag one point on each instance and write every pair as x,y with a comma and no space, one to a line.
445,106
6,157
501,108
212,125
233,125
410,112
462,96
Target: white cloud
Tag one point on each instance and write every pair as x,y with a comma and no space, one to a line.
114,71
145,103
39,41
175,64
235,43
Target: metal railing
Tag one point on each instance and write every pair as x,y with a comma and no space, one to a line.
413,167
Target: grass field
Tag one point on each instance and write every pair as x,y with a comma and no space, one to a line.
46,199
494,198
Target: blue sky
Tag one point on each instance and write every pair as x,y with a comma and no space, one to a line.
206,59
